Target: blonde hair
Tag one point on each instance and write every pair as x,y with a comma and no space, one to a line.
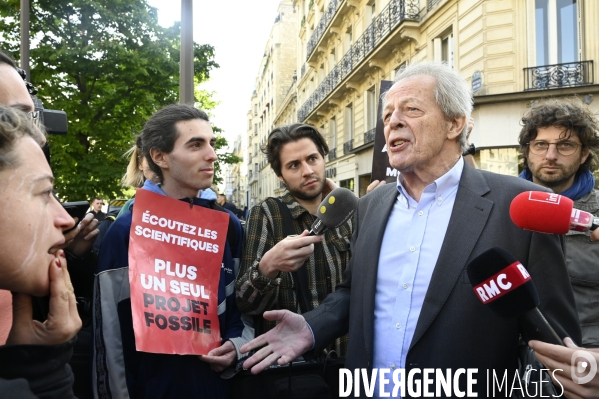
134,176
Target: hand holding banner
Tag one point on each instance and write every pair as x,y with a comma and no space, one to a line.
175,258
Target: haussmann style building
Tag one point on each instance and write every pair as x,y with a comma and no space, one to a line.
325,60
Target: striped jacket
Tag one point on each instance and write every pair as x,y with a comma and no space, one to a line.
256,293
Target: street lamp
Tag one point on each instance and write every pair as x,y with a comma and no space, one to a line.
25,37
186,66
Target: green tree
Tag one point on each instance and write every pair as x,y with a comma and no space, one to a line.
109,65
205,101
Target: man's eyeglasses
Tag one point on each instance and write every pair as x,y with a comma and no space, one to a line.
540,147
34,116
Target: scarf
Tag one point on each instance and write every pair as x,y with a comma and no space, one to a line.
584,182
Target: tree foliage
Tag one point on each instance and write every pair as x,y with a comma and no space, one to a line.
223,157
205,98
109,65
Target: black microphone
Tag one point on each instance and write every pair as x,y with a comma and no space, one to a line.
334,210
501,282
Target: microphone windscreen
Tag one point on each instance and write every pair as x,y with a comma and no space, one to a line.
542,212
501,282
337,207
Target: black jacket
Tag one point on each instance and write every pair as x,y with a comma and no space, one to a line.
454,329
36,371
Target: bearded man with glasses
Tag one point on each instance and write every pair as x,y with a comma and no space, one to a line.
559,142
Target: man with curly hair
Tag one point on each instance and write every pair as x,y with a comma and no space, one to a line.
559,142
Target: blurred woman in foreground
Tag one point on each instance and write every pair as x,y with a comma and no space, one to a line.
33,363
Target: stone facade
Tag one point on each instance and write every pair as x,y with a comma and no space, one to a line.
274,79
517,51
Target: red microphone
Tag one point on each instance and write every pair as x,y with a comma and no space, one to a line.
549,213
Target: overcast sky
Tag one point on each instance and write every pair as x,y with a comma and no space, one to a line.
238,29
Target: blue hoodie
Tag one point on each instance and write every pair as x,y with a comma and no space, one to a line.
117,366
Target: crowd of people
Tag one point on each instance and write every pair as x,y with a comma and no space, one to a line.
387,289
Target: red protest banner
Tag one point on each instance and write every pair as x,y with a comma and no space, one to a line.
175,256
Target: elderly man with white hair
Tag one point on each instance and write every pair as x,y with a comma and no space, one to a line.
406,300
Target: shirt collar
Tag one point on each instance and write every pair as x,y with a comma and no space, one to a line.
157,188
443,186
295,207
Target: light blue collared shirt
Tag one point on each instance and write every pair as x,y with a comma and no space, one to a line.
411,244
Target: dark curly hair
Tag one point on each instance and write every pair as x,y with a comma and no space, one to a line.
291,133
569,114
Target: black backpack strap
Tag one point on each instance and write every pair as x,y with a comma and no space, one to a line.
300,277
231,236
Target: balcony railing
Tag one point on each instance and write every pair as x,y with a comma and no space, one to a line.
431,4
559,75
252,176
332,154
369,136
348,146
303,71
322,26
389,18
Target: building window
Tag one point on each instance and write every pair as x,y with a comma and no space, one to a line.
443,48
400,68
499,160
371,11
349,184
348,39
332,133
371,108
556,31
364,181
332,59
348,123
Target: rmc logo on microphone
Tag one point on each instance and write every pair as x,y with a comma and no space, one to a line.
501,283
